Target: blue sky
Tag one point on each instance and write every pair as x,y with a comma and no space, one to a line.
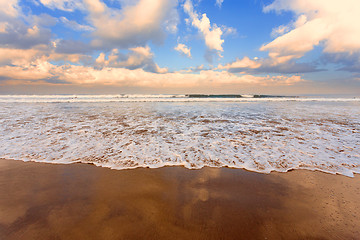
180,46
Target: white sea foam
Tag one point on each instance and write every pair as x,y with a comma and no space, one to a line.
261,135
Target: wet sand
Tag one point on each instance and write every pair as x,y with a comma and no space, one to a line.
80,201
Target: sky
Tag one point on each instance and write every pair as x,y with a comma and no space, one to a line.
180,46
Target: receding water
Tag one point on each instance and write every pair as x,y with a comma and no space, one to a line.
258,134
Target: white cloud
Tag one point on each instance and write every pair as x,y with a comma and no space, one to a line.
9,8
139,57
28,57
280,30
9,56
43,20
330,23
267,65
182,48
193,69
41,71
3,26
211,33
30,72
219,3
241,63
65,5
75,26
133,25
171,23
20,35
71,46
228,30
18,30
69,57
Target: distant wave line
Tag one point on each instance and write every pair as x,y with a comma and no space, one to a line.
166,98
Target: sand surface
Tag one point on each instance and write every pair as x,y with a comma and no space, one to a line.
79,201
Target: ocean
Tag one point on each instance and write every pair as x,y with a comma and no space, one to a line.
259,133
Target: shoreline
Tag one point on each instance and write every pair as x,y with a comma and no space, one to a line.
352,175
83,201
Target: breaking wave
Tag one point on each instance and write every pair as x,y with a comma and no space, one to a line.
258,134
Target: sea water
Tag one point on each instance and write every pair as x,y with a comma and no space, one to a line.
257,133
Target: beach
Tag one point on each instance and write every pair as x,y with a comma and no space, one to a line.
82,201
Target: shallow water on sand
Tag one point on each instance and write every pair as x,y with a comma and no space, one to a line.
263,135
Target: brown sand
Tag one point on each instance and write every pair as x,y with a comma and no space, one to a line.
79,201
